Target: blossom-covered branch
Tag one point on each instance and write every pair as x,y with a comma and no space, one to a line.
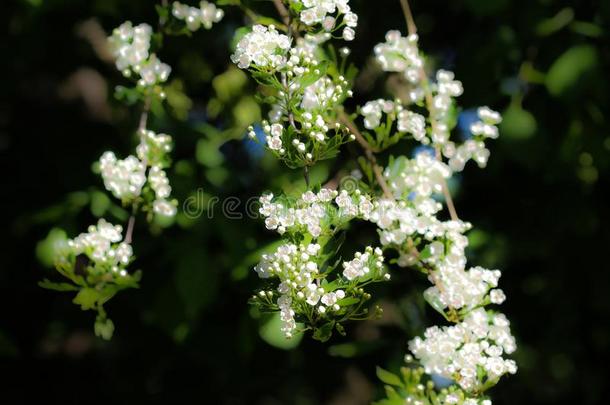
96,263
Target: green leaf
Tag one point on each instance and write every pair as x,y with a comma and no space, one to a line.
99,203
271,333
50,285
46,249
435,302
346,302
313,76
388,377
87,298
517,123
103,328
324,332
570,69
558,21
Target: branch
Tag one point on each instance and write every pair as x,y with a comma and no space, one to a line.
408,17
368,151
283,12
130,226
430,105
144,115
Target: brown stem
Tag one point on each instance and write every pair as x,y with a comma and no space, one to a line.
369,153
283,12
306,175
144,115
130,226
429,98
406,9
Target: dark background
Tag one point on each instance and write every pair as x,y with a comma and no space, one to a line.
188,336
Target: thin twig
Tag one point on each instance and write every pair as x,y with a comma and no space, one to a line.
130,226
144,115
306,175
369,153
406,9
283,12
429,98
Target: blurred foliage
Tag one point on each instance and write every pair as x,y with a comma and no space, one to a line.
187,335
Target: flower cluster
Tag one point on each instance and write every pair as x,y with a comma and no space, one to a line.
316,214
102,246
303,94
123,178
126,178
323,12
305,87
205,15
96,264
131,48
474,148
470,352
400,54
421,176
363,264
262,48
304,294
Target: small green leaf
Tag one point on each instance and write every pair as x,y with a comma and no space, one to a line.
271,333
103,328
324,332
388,377
517,123
50,285
87,298
570,69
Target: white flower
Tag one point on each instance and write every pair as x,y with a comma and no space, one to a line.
373,111
123,178
457,352
159,182
413,123
131,46
153,147
205,15
400,54
263,47
102,244
164,208
349,34
363,264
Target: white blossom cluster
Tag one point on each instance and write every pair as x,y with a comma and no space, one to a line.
363,264
153,147
126,178
475,148
400,54
102,245
300,289
459,351
314,213
406,121
123,178
324,94
373,111
423,175
205,15
296,268
262,48
323,12
160,185
301,125
131,48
